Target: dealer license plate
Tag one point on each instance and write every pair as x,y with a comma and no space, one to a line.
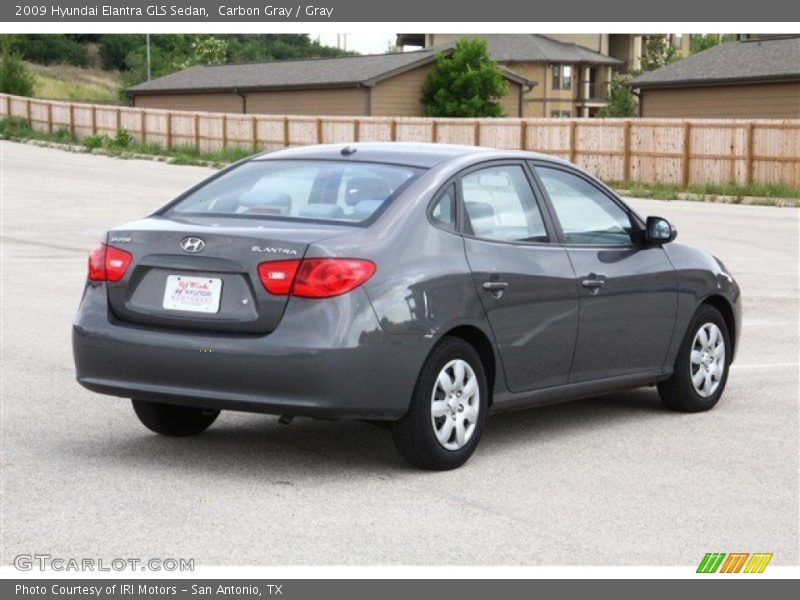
192,294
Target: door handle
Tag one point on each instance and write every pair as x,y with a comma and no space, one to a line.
592,284
495,286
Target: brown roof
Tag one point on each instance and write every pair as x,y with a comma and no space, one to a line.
342,71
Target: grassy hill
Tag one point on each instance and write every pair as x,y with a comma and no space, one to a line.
66,82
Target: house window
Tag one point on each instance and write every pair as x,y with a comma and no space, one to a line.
562,77
560,114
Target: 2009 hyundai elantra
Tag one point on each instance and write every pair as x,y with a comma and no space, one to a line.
424,285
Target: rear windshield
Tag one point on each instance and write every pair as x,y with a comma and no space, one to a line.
300,189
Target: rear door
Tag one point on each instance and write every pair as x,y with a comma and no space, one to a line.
525,283
628,290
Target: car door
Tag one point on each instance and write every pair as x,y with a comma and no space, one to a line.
525,283
627,289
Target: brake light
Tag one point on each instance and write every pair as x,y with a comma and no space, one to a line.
315,277
107,263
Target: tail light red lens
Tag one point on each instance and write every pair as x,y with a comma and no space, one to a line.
107,263
315,277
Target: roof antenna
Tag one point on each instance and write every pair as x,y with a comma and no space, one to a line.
348,150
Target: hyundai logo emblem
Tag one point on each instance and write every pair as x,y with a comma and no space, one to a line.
192,244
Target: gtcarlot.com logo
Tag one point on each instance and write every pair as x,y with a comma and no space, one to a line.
45,562
734,562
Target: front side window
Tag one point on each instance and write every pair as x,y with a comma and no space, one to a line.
500,205
586,214
300,189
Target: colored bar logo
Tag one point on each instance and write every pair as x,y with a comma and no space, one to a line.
735,562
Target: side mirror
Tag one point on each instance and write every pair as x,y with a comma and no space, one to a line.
659,231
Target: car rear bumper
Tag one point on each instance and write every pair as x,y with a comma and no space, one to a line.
327,359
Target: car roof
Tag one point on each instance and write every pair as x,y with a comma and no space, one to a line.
400,153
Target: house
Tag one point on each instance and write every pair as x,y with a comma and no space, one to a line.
625,47
370,85
753,78
572,80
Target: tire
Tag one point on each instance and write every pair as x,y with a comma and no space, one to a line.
173,420
680,392
463,411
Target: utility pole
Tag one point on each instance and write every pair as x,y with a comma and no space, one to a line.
148,56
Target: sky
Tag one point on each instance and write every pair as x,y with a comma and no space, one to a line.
365,43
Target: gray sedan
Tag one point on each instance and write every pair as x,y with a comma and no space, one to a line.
420,285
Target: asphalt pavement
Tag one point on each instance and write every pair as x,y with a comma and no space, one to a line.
610,480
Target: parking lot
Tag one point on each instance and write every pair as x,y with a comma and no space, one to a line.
609,480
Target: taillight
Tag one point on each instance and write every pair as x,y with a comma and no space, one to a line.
315,277
277,276
107,263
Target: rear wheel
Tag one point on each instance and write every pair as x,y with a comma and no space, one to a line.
448,409
701,369
173,420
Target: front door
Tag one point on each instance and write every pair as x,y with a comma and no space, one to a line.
628,291
525,283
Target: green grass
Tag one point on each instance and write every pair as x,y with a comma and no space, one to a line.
66,82
123,144
665,191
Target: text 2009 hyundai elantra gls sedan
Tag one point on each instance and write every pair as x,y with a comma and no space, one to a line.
424,285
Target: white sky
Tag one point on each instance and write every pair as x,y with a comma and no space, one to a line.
365,43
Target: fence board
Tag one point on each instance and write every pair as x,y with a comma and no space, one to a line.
693,151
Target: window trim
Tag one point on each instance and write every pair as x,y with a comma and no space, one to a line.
637,225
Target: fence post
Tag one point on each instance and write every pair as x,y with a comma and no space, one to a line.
626,151
8,106
393,130
748,164
119,118
523,135
169,130
687,152
286,131
319,130
254,126
196,132
28,111
434,130
477,133
356,130
572,137
72,119
50,117
225,130
143,125
94,119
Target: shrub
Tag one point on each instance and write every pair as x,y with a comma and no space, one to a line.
96,141
15,77
122,140
465,83
14,127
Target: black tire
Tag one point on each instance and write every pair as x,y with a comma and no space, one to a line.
173,420
414,434
678,392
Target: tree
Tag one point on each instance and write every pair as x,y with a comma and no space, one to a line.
704,41
621,102
15,77
206,50
115,48
465,83
658,52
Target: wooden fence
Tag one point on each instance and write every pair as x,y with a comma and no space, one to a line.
676,151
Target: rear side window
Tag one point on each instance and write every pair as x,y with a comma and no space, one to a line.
500,205
444,211
300,189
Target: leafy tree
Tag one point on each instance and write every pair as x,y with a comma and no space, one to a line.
658,52
115,48
621,102
206,50
52,48
704,41
15,77
465,83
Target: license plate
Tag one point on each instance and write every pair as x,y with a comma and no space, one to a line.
192,294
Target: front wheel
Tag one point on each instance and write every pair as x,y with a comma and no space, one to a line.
448,409
173,420
701,369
